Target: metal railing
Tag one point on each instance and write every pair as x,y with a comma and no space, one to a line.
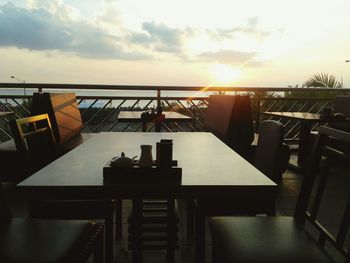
100,104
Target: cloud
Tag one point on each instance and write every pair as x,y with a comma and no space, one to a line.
47,29
52,25
160,37
230,57
251,29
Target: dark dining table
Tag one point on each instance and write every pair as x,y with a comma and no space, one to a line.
209,169
169,116
306,120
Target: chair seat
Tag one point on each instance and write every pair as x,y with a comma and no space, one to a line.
268,239
72,209
45,241
222,207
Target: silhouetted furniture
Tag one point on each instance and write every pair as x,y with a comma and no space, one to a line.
305,119
8,155
230,119
267,160
56,241
156,224
285,239
169,116
159,222
36,144
341,106
4,115
34,141
65,117
212,170
66,122
271,156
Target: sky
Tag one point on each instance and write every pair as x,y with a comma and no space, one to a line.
250,43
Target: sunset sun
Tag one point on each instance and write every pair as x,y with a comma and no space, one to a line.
224,74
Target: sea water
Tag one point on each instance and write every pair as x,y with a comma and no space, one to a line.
110,93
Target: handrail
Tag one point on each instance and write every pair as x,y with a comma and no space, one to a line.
100,111
41,86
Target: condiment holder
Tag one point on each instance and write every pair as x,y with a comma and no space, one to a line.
123,169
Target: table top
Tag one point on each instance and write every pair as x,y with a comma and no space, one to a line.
135,116
5,113
207,164
296,115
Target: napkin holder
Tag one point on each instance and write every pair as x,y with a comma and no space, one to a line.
142,175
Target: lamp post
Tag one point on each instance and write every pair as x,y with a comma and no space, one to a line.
22,81
346,61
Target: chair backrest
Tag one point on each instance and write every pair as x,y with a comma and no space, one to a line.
63,111
35,141
219,113
229,118
269,149
315,192
341,105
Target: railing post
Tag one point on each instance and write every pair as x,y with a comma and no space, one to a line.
258,114
159,110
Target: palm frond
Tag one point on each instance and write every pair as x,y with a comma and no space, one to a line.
323,80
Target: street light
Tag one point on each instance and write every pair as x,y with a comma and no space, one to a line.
347,61
22,81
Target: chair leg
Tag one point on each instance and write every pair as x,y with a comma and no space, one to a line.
98,249
190,219
109,238
137,232
118,218
199,237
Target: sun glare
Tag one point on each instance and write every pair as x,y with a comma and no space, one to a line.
224,74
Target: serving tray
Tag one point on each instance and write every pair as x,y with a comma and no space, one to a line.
142,175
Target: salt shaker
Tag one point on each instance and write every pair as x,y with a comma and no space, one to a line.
146,159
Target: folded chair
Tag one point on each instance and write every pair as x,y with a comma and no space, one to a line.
35,141
24,240
290,239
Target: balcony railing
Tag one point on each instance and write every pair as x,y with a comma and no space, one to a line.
100,104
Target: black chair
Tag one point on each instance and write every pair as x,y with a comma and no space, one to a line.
229,118
289,239
24,240
267,158
35,141
341,109
270,156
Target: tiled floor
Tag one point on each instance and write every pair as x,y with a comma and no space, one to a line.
336,194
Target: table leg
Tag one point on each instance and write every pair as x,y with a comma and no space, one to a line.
137,230
303,152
